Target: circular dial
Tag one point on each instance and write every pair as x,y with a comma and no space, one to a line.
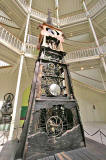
54,126
54,90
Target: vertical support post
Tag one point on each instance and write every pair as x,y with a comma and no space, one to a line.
57,12
95,37
19,76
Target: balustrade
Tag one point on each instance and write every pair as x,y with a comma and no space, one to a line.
15,43
90,52
31,49
68,20
6,21
10,39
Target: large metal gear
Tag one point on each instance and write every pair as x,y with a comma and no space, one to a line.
54,126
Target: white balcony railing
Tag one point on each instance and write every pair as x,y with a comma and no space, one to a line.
82,17
8,22
73,19
15,44
38,15
32,39
31,49
100,5
10,40
23,4
85,53
104,48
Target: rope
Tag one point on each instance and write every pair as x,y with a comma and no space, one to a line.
102,133
93,133
98,131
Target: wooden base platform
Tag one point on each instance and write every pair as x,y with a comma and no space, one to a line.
93,151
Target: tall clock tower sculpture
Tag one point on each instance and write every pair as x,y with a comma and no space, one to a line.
53,123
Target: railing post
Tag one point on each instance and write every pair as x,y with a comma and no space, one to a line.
5,34
95,37
19,76
2,31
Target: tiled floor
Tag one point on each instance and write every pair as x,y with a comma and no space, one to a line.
92,127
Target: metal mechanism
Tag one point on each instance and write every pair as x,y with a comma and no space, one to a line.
7,109
52,122
54,126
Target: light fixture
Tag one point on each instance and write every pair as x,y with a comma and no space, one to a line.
91,67
82,68
71,34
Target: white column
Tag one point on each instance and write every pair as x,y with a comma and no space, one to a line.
95,37
19,76
16,98
57,12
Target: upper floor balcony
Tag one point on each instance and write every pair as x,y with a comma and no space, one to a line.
10,41
94,11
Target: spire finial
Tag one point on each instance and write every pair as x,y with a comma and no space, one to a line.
49,19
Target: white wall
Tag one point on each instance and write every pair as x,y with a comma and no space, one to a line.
91,77
86,99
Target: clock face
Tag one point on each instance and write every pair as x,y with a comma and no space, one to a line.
54,90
